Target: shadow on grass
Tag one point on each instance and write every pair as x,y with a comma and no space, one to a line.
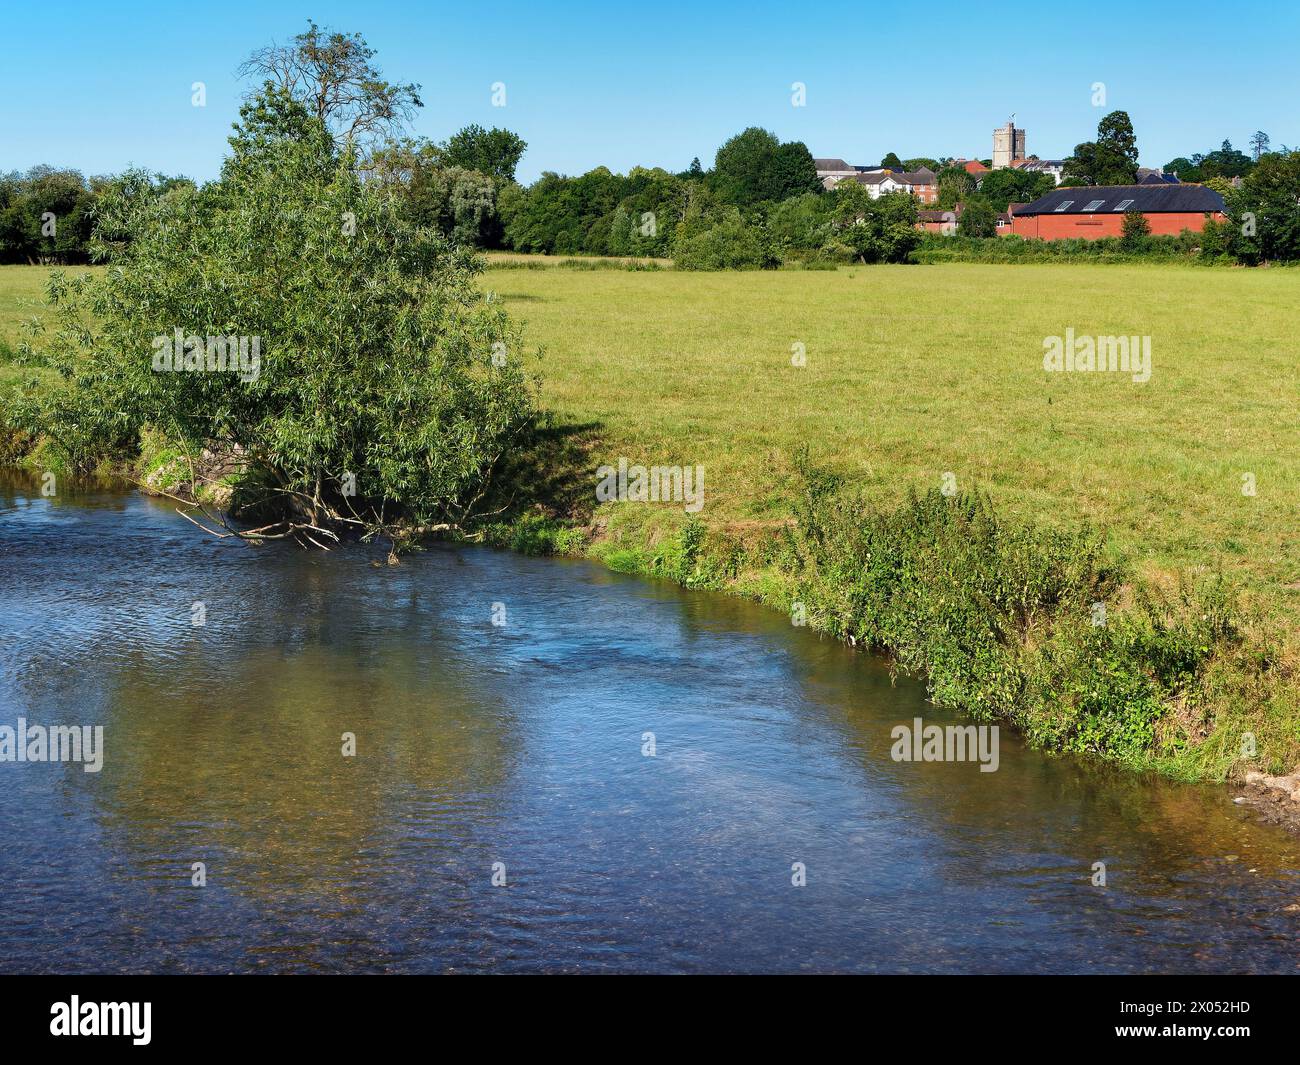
551,473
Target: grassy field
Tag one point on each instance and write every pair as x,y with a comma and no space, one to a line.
913,372
21,298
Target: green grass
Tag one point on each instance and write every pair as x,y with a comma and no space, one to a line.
22,292
22,298
914,371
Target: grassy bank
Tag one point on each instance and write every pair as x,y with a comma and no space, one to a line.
912,373
1071,489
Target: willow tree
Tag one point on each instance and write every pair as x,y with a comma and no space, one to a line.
333,76
368,385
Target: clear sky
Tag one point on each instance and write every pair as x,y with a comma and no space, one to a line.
100,86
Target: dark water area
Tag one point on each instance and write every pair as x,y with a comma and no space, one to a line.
523,744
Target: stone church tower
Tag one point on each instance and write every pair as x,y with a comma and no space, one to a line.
1008,146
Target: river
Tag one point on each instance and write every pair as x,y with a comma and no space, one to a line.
642,770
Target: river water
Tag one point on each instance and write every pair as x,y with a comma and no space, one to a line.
500,707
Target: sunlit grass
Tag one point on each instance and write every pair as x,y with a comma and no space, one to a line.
914,371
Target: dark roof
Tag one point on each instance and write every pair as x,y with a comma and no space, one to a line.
1150,199
1149,175
879,177
924,176
876,177
831,164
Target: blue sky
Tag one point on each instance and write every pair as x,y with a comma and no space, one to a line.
102,86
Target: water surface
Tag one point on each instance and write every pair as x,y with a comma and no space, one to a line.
522,744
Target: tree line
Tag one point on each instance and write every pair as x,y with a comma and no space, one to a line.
758,205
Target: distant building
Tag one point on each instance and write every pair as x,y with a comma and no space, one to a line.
1008,146
1150,176
923,183
1093,211
944,222
1005,219
1055,167
878,180
830,171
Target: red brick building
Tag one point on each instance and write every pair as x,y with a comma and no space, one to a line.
1097,211
923,183
944,222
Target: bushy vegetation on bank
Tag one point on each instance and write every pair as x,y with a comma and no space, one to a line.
1005,621
288,324
1010,622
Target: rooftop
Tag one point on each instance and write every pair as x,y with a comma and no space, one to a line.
1103,199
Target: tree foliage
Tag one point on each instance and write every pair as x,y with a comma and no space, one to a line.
376,368
955,186
877,231
1109,160
495,152
46,216
332,75
1003,187
1263,215
755,167
1224,162
724,241
460,204
1134,227
978,218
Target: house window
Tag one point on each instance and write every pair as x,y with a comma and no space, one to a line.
1123,205
1063,205
1094,204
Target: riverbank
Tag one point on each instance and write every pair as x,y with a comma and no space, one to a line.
903,380
1002,623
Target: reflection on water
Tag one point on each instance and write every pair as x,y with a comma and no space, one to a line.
522,744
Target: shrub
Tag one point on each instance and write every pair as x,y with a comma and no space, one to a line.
879,231
999,617
729,243
376,396
1134,228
